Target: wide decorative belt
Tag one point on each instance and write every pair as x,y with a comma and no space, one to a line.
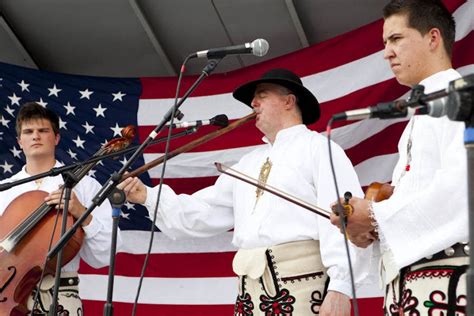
68,281
389,271
455,251
290,256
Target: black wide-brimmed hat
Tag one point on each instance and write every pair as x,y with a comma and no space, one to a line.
307,102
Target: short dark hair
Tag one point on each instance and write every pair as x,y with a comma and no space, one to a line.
31,111
423,15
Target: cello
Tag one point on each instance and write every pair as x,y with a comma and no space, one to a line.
26,227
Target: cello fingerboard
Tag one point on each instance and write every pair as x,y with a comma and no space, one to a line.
16,235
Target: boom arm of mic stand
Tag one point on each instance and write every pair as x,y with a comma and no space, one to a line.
59,170
115,178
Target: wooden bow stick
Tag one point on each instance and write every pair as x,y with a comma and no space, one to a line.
243,177
191,145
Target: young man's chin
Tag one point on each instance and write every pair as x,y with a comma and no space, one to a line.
39,154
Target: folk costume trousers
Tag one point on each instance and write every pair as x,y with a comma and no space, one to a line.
287,279
69,302
430,286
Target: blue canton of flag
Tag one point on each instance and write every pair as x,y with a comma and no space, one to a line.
92,111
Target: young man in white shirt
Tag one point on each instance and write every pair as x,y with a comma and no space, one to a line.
38,135
422,227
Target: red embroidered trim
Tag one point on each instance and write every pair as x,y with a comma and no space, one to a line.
433,273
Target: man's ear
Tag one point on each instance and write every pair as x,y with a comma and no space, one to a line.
291,101
435,38
58,137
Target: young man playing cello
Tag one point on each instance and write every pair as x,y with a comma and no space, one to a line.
38,135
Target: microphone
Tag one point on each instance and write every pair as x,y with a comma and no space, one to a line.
435,108
398,108
218,120
454,102
385,110
259,48
117,198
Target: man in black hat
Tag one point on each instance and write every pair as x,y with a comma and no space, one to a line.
290,261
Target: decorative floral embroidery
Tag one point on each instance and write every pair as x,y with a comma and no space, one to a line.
60,311
316,301
244,305
442,301
281,304
438,302
408,304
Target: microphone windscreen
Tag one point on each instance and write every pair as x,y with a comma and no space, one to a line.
117,198
437,108
260,47
220,120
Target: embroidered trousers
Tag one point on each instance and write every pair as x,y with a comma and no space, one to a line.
437,287
287,279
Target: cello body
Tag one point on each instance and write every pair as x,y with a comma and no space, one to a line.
21,267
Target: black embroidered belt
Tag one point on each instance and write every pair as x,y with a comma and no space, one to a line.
455,251
69,281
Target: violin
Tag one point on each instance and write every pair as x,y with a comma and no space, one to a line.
378,191
26,227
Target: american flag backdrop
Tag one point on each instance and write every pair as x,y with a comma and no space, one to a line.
194,277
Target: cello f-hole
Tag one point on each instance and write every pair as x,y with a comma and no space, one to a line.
28,281
6,282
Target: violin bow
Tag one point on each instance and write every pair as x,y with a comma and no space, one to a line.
190,145
252,181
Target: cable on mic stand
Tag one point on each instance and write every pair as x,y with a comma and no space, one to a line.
69,181
116,177
343,210
211,65
152,228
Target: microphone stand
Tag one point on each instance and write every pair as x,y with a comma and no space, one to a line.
461,108
116,177
469,144
117,199
70,180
